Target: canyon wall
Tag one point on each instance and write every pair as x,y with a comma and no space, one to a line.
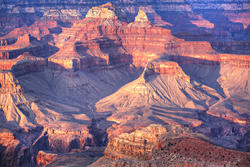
105,38
9,84
176,5
86,94
213,21
23,64
13,152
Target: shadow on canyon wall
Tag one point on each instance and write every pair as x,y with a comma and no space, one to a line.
225,37
200,70
37,48
226,128
2,160
115,51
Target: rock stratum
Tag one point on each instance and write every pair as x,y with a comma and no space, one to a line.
126,83
156,145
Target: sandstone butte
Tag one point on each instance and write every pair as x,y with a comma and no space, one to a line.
105,81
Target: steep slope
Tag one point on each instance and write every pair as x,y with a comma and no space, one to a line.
138,103
204,102
14,105
149,89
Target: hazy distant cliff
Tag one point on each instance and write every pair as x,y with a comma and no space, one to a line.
31,6
223,19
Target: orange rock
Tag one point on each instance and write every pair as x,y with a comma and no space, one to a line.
44,158
23,64
8,83
156,146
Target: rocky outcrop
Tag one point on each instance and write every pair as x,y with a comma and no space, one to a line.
233,47
102,12
22,42
162,67
15,108
8,144
23,64
241,61
8,84
27,64
167,67
66,140
9,22
44,158
136,145
190,151
95,41
70,159
141,17
12,151
156,145
38,29
106,11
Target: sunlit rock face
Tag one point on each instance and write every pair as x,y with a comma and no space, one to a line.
23,64
141,17
223,23
9,84
156,145
103,34
107,11
150,82
45,158
137,144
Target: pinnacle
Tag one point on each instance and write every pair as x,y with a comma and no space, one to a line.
106,11
141,16
108,4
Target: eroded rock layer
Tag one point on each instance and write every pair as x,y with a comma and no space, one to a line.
156,145
70,83
104,38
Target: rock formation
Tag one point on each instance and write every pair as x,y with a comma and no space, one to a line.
63,14
45,158
102,12
106,11
157,146
13,152
23,64
105,39
73,84
9,84
139,145
141,17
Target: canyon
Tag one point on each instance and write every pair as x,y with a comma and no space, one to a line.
124,83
